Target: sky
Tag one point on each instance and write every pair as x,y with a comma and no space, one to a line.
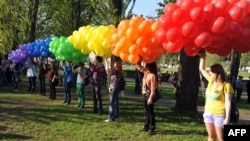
146,7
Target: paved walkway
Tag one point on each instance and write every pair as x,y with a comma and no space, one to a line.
244,117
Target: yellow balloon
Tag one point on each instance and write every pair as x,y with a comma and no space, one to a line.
99,51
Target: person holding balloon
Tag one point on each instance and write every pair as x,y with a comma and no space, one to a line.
52,75
219,94
114,89
31,74
149,85
80,84
41,75
98,72
67,69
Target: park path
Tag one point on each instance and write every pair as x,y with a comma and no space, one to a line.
244,117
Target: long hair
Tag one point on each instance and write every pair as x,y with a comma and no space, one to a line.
219,71
152,67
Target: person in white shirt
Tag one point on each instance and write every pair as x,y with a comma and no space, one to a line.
31,74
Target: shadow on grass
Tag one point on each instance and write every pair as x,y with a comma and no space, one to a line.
13,136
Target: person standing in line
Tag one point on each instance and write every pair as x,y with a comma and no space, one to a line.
114,89
31,73
41,75
67,69
149,86
4,65
17,72
239,88
80,85
248,90
52,75
98,72
218,94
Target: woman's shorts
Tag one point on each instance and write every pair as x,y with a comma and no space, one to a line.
215,119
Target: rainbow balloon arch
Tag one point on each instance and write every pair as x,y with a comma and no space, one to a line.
216,25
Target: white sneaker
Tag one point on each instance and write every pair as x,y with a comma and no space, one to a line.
107,120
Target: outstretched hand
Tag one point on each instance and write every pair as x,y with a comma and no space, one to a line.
202,52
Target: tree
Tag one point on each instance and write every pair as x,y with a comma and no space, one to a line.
188,84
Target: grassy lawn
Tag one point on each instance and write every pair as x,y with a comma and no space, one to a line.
29,116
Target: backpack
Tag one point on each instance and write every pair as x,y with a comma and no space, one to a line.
122,83
86,80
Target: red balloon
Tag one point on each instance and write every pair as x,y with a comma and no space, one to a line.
173,47
197,14
179,16
243,48
189,29
187,4
232,2
236,13
219,25
203,40
165,22
161,35
223,51
169,9
245,23
221,4
209,10
244,35
191,50
174,35
233,30
218,41
243,4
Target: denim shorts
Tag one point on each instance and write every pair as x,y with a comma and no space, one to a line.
215,119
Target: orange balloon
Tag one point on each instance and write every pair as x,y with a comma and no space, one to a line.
144,27
133,59
123,24
142,41
133,49
132,33
155,26
121,32
136,21
124,56
144,51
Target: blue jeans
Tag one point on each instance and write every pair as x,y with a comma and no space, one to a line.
114,103
67,86
97,97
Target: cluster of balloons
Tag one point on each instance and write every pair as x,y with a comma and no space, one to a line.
93,39
135,40
64,50
217,25
19,55
40,48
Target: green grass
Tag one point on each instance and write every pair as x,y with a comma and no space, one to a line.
28,116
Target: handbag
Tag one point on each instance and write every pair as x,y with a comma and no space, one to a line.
157,95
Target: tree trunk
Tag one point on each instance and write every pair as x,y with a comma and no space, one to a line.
117,8
33,19
234,67
188,84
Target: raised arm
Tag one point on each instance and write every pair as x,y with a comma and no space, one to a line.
202,67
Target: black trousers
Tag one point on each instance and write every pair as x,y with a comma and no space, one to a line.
42,84
149,115
32,84
52,89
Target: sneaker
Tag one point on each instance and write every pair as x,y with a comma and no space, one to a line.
108,120
151,132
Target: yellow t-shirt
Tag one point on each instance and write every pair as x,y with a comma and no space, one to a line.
215,98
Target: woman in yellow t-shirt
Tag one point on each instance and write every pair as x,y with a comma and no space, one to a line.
218,99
